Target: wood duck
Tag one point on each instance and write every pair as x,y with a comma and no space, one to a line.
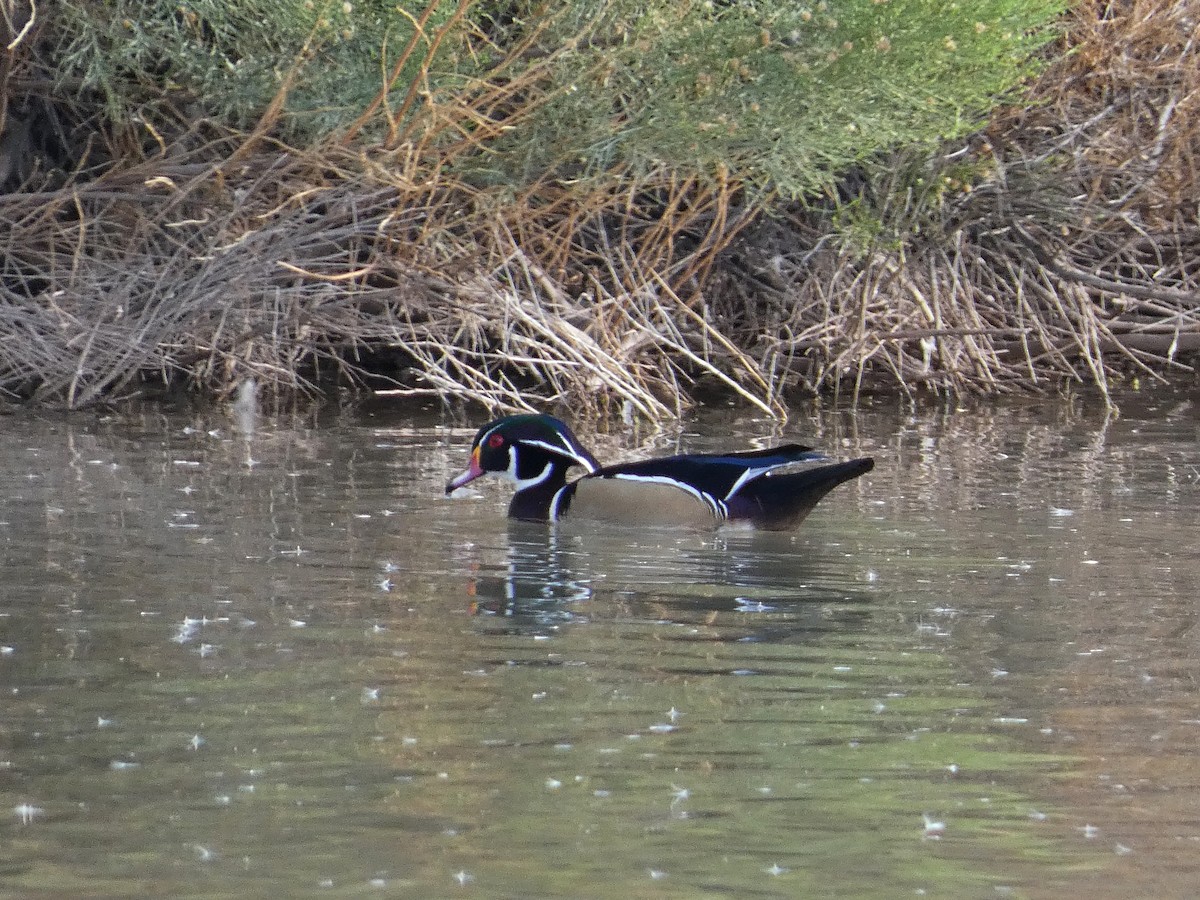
768,489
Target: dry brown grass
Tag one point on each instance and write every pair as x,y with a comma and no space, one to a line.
288,267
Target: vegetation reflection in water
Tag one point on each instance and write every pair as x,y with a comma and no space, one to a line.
323,686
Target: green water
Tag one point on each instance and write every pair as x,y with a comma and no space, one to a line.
283,664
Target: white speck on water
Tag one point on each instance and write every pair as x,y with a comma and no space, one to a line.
297,623
553,784
186,630
673,714
776,870
1010,720
1089,831
222,800
1037,815
378,882
656,874
661,728
1122,850
952,768
385,585
121,765
196,742
7,650
463,877
1061,511
933,828
102,722
744,604
370,694
27,812
204,854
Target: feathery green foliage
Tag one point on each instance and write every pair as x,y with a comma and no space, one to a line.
781,96
228,58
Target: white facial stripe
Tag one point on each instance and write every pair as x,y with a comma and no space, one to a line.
562,449
715,505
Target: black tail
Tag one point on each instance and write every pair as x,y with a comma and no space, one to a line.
780,502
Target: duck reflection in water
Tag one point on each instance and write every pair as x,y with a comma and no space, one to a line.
761,585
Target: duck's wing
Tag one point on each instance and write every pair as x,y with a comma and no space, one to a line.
780,499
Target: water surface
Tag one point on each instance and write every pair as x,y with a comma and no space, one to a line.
282,664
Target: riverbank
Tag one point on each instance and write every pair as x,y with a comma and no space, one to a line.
1060,243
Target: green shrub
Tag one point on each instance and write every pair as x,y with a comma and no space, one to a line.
779,96
782,95
227,59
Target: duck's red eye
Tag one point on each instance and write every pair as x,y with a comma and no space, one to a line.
495,441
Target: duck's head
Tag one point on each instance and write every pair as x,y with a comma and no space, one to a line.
527,449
